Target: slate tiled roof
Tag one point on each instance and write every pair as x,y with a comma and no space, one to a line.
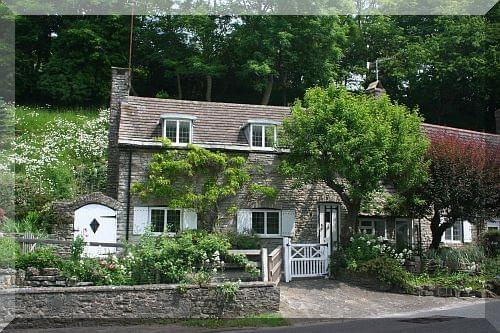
491,141
220,123
216,123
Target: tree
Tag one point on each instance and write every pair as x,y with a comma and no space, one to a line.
288,52
464,178
194,178
354,144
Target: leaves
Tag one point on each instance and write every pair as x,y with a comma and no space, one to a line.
194,178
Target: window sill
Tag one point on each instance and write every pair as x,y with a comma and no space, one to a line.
268,236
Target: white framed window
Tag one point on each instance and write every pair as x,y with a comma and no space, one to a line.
372,226
493,225
263,136
266,222
454,233
367,227
165,220
178,128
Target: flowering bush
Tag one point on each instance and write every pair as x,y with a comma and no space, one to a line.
364,247
56,157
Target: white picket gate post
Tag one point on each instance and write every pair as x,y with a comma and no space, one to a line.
286,258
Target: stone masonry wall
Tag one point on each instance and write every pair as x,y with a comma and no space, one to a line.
304,200
119,90
145,301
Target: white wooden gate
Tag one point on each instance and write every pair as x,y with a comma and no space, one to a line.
304,260
96,223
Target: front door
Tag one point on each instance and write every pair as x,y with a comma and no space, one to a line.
96,223
328,224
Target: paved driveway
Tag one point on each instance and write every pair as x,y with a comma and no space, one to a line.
324,298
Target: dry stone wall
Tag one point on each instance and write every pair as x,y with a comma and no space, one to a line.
145,301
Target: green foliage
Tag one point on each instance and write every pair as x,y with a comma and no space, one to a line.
59,154
9,250
363,247
262,320
243,261
243,241
353,143
387,270
77,248
41,257
490,242
194,178
228,291
191,256
268,192
456,259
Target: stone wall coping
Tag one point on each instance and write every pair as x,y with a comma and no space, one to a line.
144,287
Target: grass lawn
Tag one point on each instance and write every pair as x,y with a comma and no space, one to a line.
33,119
263,320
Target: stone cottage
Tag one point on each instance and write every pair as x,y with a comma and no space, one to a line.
311,214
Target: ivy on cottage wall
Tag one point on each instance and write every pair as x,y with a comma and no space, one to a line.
197,178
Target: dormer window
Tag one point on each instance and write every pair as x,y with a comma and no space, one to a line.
262,134
178,128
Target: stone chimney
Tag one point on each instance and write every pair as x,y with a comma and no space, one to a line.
375,88
119,91
497,120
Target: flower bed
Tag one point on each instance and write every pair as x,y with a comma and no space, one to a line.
191,257
370,262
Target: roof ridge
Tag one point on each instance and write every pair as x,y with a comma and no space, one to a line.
463,130
187,101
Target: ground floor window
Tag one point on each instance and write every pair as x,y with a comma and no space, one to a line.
266,222
493,225
454,233
403,228
375,227
165,220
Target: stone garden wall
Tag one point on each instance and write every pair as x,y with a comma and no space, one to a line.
144,301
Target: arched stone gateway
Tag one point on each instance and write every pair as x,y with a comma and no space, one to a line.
92,216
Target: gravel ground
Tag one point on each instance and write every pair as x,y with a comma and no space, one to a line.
324,298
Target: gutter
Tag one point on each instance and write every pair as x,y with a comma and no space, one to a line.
127,227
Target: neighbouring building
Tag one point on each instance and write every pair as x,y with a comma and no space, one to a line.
311,214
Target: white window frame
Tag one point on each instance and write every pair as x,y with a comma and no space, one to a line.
461,236
493,224
177,132
263,143
372,226
266,211
165,209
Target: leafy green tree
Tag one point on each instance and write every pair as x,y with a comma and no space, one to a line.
288,50
82,53
194,178
354,144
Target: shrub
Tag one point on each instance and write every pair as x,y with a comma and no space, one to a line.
243,241
171,260
387,270
41,257
9,250
456,259
490,242
363,247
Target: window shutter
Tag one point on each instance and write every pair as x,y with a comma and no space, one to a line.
244,221
288,222
467,231
190,219
141,220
